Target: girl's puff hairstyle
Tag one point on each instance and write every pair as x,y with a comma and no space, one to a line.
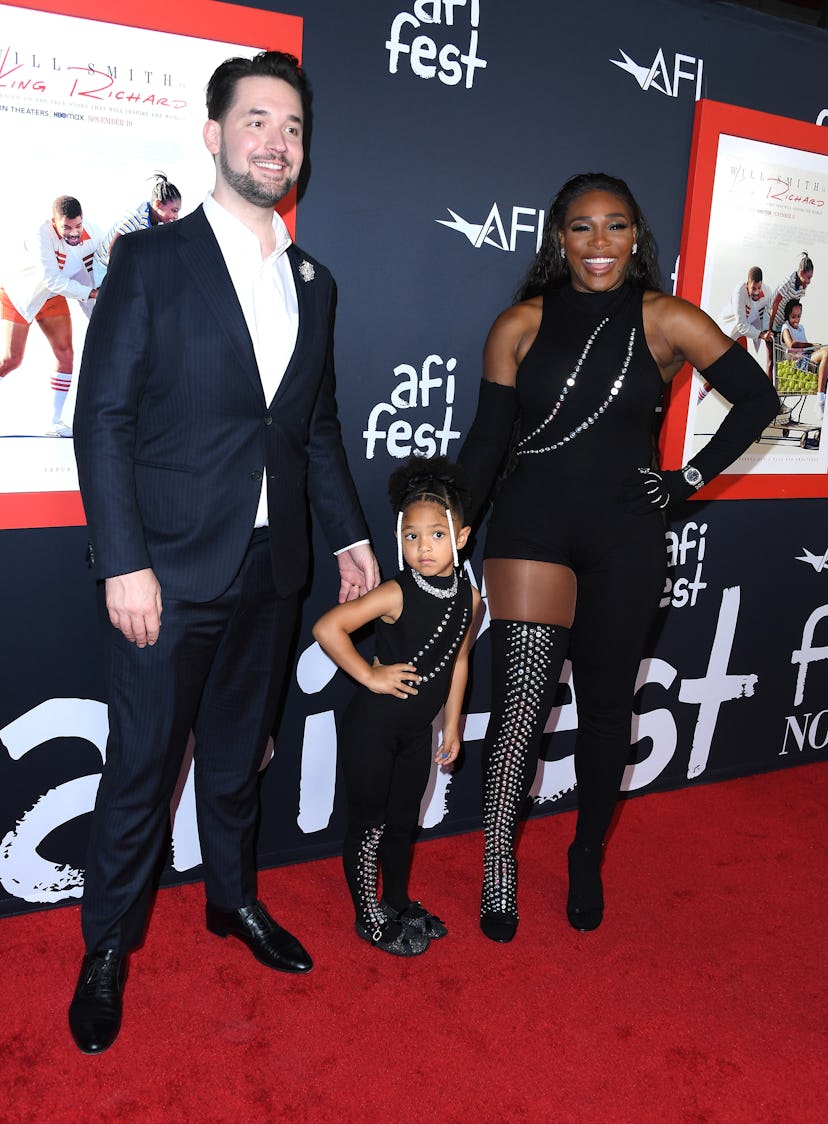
429,480
432,479
550,270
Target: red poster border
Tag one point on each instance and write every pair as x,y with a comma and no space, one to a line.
713,119
198,19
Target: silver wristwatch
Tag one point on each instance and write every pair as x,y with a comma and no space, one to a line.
693,477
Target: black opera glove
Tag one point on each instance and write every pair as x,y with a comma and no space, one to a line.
654,489
486,445
754,403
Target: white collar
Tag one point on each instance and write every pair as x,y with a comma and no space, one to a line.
228,229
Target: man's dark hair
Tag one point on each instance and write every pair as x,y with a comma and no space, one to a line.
221,89
66,207
754,273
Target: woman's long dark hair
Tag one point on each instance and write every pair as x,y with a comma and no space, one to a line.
550,270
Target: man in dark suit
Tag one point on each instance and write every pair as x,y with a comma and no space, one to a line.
205,420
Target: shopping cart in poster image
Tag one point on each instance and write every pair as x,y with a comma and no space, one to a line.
795,378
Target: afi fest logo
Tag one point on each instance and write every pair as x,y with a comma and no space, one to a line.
497,232
685,558
417,394
809,728
27,875
658,75
433,57
818,561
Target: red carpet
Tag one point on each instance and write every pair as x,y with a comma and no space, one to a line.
701,998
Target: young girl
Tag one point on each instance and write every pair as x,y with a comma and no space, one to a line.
422,643
794,338
795,285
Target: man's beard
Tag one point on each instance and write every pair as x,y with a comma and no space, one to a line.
243,183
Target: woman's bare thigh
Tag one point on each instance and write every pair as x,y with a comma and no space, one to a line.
519,589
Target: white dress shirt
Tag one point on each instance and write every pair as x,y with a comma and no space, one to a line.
267,295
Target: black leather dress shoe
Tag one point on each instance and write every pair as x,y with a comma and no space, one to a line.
272,945
95,1010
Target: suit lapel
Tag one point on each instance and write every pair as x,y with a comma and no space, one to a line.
202,257
306,318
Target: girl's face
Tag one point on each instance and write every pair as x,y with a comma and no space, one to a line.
795,316
805,278
597,237
426,540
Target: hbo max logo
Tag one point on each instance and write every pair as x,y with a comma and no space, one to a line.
428,58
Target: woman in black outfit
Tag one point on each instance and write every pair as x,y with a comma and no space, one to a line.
575,554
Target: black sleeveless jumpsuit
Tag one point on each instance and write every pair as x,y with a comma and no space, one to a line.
561,504
385,742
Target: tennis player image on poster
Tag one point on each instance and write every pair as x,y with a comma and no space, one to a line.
766,284
104,123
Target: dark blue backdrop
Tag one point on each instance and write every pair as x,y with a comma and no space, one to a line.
435,148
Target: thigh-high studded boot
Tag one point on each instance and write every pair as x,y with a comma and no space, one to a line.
526,666
359,858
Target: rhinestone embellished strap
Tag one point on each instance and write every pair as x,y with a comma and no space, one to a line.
449,636
615,390
449,653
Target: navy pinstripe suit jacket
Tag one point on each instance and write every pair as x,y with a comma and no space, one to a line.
172,429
